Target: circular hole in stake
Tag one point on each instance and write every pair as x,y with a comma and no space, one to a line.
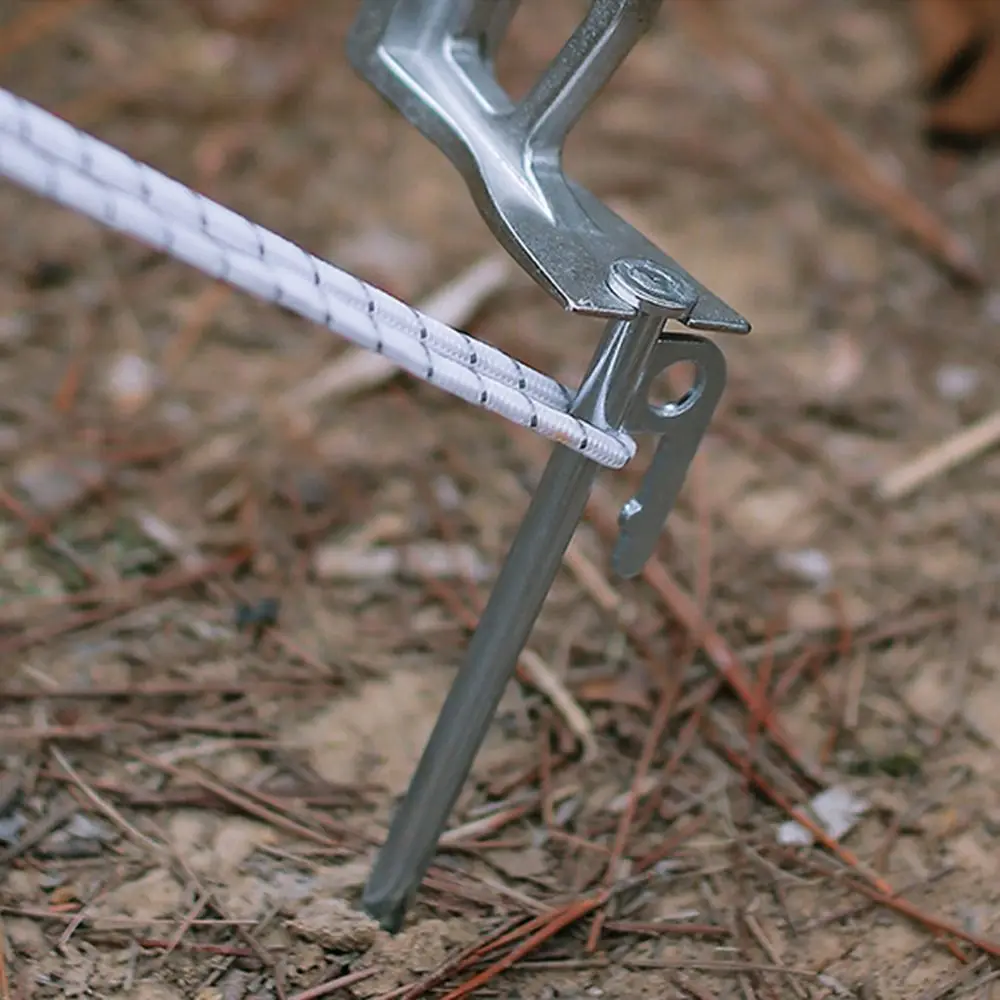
676,385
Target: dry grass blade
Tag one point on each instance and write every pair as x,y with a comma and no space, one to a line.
603,513
676,838
602,592
667,928
545,680
58,812
937,924
115,606
962,977
4,980
45,532
166,689
870,882
242,802
185,925
553,924
334,985
757,932
745,767
462,960
891,900
201,312
531,668
650,745
105,807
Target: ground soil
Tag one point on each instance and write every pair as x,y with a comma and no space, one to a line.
188,807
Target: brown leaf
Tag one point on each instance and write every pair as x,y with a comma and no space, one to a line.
960,65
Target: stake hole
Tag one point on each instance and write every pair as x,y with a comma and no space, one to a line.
678,384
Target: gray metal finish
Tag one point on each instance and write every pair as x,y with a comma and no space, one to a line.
433,59
618,373
681,426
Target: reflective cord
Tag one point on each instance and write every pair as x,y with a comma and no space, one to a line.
52,158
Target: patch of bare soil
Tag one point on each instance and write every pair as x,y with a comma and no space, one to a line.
231,602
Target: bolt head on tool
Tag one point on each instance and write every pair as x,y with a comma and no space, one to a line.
651,288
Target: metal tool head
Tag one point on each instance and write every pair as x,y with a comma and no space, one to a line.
433,60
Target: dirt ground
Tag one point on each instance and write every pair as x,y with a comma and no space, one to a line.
189,803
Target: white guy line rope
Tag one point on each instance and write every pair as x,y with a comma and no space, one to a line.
52,158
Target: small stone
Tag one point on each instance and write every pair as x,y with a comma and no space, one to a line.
956,382
85,828
11,826
15,328
10,439
334,925
836,809
55,483
130,383
810,565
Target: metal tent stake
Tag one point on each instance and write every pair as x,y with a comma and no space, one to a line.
433,60
616,377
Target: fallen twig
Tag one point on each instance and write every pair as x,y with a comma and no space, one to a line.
603,513
869,881
531,668
553,924
166,689
105,807
876,891
650,745
4,981
195,796
602,592
962,447
157,586
667,927
545,680
242,802
59,812
333,985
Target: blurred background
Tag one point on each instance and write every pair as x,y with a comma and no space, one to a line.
236,575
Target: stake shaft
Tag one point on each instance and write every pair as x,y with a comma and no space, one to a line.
510,614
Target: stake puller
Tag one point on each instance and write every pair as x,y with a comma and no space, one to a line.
434,61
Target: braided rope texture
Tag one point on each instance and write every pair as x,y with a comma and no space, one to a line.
50,157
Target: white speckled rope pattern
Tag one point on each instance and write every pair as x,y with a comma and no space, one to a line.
52,158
